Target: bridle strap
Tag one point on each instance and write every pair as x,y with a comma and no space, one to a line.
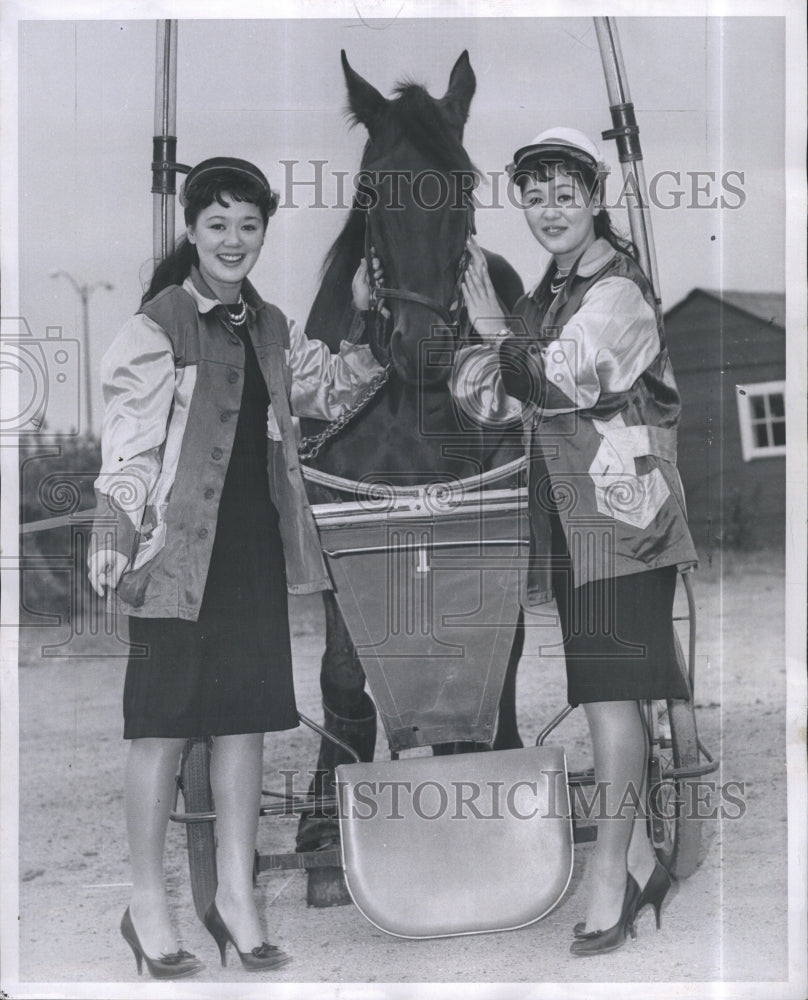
379,292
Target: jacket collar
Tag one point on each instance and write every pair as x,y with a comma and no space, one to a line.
206,300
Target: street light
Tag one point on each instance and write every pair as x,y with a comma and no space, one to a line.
84,292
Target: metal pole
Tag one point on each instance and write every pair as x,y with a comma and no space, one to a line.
164,143
84,292
626,132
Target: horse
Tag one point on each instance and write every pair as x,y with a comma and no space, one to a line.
413,206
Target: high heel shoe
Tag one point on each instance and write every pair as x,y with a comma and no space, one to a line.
175,965
654,892
601,942
265,956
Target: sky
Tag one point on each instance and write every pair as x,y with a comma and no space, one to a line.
709,94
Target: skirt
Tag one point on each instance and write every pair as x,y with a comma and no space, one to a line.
618,633
230,671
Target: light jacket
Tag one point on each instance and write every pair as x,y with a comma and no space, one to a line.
593,381
172,383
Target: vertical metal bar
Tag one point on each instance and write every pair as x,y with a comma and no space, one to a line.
627,134
165,139
84,293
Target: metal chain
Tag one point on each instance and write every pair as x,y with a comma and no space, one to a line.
310,446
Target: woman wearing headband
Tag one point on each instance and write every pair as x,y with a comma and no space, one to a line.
584,362
203,524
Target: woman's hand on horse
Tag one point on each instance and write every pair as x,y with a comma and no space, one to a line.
482,304
105,568
360,286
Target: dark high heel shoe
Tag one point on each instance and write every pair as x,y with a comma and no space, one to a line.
265,956
176,965
601,942
654,892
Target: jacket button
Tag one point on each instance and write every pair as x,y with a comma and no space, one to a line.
234,340
203,532
216,453
224,416
232,376
208,493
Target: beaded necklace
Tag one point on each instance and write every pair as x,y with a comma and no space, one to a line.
558,279
239,317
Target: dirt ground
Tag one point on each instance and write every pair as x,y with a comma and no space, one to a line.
727,924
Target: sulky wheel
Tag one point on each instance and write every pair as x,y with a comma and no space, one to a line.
673,794
195,785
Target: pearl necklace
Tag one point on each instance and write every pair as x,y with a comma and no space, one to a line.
239,318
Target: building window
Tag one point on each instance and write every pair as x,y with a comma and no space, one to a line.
762,418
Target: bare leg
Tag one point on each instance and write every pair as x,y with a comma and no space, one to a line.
236,770
151,768
618,740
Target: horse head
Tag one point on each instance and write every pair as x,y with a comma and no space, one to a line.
415,186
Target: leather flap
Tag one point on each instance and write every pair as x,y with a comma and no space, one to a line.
431,605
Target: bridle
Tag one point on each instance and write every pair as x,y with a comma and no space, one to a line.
309,447
450,316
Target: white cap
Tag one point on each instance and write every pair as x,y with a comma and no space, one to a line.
560,140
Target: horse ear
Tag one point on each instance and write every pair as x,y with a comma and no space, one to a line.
462,84
364,100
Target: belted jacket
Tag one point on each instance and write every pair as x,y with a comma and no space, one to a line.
172,382
589,373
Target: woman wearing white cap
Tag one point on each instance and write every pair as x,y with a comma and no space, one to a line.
584,362
203,524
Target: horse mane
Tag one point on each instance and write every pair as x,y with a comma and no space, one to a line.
413,112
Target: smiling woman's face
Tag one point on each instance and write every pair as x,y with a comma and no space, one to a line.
561,215
228,239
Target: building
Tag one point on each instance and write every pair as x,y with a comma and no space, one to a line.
728,351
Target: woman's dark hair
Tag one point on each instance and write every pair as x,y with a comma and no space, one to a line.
591,181
197,194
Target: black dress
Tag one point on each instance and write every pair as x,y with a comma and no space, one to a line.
231,670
